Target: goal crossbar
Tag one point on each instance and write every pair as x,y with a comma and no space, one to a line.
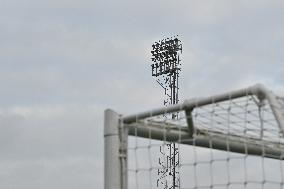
258,90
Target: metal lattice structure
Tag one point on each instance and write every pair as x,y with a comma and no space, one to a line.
166,69
231,140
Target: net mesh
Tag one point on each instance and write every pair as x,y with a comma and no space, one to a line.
247,118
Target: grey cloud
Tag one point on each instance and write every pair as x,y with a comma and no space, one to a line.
64,62
50,132
50,145
45,173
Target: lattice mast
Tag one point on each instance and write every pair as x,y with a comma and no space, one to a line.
166,68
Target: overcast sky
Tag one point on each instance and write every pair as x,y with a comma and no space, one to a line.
64,62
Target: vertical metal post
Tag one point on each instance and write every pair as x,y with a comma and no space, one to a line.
112,175
276,109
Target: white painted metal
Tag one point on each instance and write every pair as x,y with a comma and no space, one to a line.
192,103
112,174
275,106
258,90
213,140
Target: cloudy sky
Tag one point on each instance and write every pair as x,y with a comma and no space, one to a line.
64,62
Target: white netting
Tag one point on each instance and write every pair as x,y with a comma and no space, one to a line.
246,118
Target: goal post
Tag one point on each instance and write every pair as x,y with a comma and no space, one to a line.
249,122
112,167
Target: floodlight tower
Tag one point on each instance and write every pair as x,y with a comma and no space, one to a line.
166,68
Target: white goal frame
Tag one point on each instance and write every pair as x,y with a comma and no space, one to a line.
117,128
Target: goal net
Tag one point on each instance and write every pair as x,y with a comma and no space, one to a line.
233,140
